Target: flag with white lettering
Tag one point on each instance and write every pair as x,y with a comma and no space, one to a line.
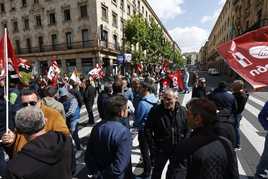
247,55
53,72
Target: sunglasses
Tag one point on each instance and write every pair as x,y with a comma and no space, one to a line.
31,103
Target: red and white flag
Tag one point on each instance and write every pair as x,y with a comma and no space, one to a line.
247,55
75,76
97,73
53,71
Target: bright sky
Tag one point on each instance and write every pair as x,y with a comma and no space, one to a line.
188,21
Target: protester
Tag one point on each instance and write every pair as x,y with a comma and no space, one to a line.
209,156
262,167
89,97
14,141
199,89
103,99
148,100
241,98
75,91
166,127
135,84
46,156
127,92
50,101
72,113
109,146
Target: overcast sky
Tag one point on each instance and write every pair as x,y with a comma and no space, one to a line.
188,21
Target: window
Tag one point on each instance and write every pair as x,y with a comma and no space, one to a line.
54,41
115,45
38,21
15,26
87,65
85,38
23,3
139,5
2,7
142,10
70,65
83,10
52,19
41,43
122,23
104,38
114,19
29,45
26,24
122,4
68,39
36,1
67,15
17,43
146,14
128,9
104,12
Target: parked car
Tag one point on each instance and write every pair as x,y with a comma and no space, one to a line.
213,71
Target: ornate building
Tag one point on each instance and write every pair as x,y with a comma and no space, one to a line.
80,33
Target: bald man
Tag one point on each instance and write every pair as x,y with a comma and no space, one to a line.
165,128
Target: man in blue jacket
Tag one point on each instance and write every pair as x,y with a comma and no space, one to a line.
147,101
109,146
262,168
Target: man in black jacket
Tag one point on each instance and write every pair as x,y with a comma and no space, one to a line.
165,128
46,156
89,96
209,156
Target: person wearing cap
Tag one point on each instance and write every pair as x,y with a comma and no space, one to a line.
72,113
148,100
47,155
50,100
14,141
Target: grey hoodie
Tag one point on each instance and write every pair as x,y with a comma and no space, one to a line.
53,103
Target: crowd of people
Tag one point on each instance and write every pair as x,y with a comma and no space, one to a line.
198,140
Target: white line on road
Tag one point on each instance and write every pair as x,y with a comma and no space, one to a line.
259,102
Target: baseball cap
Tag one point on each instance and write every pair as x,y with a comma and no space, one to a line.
63,92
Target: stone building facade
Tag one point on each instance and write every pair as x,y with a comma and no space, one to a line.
237,17
79,33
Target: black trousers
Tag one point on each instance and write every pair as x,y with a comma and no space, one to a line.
145,153
174,171
90,114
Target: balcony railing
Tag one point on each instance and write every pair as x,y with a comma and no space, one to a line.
69,46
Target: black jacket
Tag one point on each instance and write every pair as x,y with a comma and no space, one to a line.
164,128
241,99
209,156
47,157
89,95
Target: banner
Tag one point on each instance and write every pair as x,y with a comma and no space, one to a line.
97,73
75,76
53,71
247,55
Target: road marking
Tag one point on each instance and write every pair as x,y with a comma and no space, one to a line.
251,133
259,102
187,97
253,110
240,168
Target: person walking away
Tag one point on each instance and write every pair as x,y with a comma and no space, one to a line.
165,128
72,112
108,150
262,167
89,97
47,155
148,100
241,98
209,156
199,89
103,99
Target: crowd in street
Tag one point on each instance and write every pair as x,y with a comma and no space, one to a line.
199,141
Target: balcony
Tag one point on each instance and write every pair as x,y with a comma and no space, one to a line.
71,46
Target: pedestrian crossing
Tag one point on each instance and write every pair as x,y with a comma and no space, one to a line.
252,137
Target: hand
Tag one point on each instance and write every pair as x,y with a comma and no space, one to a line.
8,138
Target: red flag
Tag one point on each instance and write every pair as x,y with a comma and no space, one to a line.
53,71
247,55
97,73
12,60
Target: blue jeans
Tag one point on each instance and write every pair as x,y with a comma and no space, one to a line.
2,162
262,168
237,120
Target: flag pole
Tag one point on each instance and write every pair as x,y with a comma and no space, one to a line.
6,71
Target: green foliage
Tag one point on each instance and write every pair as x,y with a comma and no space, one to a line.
147,42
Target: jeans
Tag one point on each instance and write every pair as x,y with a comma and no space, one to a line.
174,171
262,167
2,162
145,152
237,120
90,114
